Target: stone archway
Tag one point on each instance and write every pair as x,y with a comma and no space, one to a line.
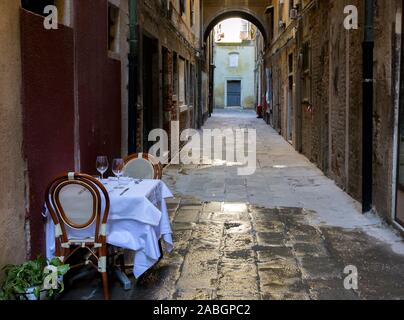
243,14
252,10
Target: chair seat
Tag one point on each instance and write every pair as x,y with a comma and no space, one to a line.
75,241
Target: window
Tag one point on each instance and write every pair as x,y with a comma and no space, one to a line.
244,26
291,6
192,13
113,28
183,7
181,81
191,84
233,60
271,20
290,63
306,65
306,57
36,6
281,3
175,76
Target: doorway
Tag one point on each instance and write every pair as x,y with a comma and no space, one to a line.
290,109
233,93
399,212
151,101
400,174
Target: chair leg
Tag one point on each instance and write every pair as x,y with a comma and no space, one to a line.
161,251
122,260
105,285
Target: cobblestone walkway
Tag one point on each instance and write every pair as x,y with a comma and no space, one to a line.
287,232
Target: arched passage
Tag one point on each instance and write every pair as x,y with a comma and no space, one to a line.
239,13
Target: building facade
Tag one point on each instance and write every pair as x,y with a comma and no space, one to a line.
315,85
86,78
168,60
234,60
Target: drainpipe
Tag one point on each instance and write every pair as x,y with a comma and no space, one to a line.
367,156
200,68
299,80
133,75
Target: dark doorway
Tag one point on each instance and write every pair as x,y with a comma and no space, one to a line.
399,213
290,109
234,93
400,171
151,101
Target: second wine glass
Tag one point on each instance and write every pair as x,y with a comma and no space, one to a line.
117,169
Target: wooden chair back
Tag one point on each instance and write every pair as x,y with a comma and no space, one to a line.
143,166
75,201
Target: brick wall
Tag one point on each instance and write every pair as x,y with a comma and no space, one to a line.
332,124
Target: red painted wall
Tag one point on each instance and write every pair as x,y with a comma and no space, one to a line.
48,111
99,84
52,61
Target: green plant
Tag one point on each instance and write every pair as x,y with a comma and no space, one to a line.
32,274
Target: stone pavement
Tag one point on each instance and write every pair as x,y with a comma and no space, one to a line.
286,232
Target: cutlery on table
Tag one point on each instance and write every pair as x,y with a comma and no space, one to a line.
124,191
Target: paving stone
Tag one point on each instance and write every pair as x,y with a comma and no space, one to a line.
213,207
234,241
268,254
321,268
225,217
240,255
199,270
237,296
279,273
271,238
210,232
310,249
182,226
331,289
299,296
196,294
304,233
270,226
188,214
235,207
247,280
260,215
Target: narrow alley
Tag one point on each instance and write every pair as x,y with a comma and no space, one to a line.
110,111
286,232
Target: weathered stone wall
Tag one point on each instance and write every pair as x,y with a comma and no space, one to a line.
385,16
331,125
175,34
12,200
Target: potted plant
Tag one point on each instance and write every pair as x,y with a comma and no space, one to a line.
38,279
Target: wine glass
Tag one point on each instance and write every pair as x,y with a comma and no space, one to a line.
102,165
117,169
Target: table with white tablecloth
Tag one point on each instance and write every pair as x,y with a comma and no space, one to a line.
138,219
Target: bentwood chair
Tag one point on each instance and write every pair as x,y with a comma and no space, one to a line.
143,166
79,204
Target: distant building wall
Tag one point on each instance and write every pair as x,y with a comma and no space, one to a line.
12,204
244,71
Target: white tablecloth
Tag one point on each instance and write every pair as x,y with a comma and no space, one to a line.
137,220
